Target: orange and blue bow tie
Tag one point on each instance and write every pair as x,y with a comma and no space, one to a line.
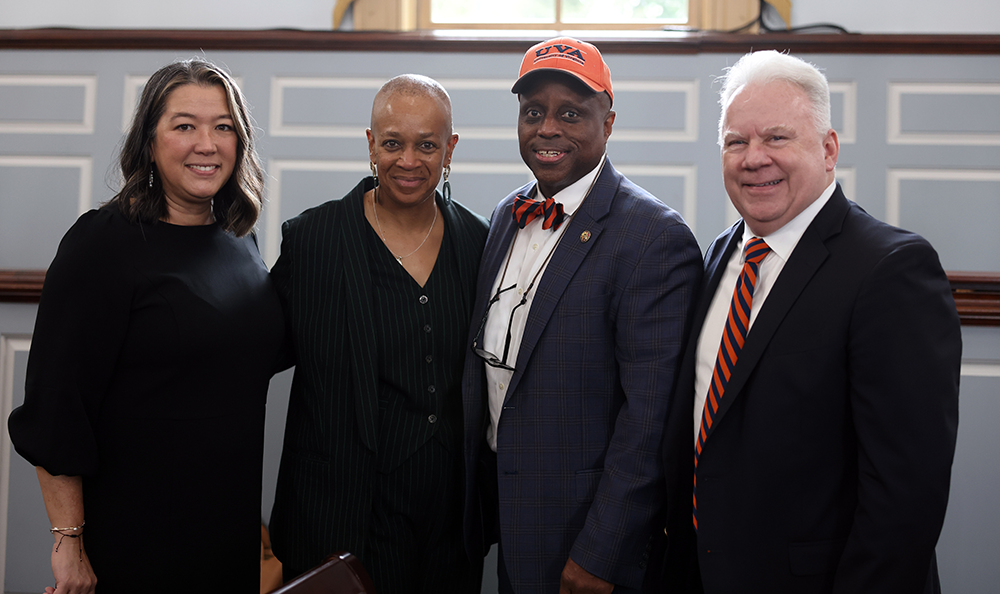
525,210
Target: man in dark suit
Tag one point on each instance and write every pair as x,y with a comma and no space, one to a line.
818,438
584,310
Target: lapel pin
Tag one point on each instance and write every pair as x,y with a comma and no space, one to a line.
585,237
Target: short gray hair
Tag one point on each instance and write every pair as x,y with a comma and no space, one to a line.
413,85
769,66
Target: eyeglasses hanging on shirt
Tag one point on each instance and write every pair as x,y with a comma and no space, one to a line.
491,359
554,217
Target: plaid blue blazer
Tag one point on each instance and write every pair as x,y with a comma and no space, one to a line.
578,461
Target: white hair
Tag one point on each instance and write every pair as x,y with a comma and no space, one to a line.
769,66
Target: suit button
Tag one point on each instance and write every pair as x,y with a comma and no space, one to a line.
423,299
432,419
427,328
431,389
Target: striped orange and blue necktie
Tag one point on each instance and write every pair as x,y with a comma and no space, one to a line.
733,336
525,210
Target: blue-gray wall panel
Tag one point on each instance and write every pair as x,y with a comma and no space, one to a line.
959,218
41,103
951,113
28,539
496,108
970,540
37,205
327,106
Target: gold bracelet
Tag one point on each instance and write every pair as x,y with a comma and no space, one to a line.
54,530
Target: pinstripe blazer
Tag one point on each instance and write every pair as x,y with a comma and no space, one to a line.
325,482
579,438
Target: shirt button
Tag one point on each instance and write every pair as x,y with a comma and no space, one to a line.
432,419
431,389
534,246
428,358
423,299
501,386
520,291
427,328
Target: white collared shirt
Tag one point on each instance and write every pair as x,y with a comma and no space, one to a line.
528,256
782,243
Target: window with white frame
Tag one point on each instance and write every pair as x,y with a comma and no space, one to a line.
555,14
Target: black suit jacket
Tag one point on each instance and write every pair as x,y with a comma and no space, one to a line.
325,482
828,466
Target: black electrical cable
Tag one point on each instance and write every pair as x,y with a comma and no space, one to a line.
765,27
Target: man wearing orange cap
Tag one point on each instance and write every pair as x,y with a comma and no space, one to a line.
584,293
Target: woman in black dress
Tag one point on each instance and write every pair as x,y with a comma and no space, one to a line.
155,338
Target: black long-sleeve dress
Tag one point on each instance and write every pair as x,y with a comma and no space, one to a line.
148,375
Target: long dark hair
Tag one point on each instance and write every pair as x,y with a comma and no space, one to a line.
237,204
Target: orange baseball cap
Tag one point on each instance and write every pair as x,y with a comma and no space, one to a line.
572,56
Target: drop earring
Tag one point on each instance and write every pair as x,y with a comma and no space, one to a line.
150,176
374,171
446,188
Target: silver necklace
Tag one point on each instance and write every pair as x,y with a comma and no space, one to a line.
382,235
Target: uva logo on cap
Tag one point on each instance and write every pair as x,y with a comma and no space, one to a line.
564,51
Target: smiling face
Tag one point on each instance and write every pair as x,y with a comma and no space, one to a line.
775,162
194,148
563,129
410,142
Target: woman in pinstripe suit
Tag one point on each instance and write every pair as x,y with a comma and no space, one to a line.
377,289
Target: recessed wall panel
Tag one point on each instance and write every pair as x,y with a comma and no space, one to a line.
296,185
47,104
327,107
476,107
26,104
933,113
26,545
941,113
650,110
970,543
321,107
958,216
40,198
844,110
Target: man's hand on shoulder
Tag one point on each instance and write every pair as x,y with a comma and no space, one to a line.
577,580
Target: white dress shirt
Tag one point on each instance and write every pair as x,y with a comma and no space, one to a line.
782,243
528,257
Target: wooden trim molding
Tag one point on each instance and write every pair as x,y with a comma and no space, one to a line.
443,41
977,297
977,294
21,286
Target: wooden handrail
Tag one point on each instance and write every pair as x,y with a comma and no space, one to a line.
977,297
444,41
21,286
976,294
